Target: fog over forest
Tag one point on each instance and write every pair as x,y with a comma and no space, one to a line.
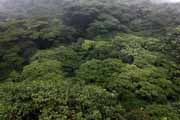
89,59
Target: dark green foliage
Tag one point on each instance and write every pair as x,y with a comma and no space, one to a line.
172,46
90,60
80,16
99,71
72,83
105,24
162,112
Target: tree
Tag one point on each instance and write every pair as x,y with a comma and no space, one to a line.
99,71
80,16
34,100
42,70
173,44
162,112
105,24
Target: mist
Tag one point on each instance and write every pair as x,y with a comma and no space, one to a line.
172,0
26,7
89,59
165,1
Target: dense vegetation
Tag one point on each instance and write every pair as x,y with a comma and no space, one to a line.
90,60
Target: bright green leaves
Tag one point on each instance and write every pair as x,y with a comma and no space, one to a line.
58,100
95,108
88,44
42,70
35,100
147,77
147,84
70,60
53,71
135,46
99,71
123,77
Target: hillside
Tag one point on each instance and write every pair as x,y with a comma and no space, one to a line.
89,60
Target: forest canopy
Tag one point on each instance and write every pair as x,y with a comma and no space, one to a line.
89,60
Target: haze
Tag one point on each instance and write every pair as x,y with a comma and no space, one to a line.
172,1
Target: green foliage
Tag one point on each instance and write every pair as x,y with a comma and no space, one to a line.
94,79
173,44
138,114
90,60
40,99
80,16
42,70
14,76
88,44
55,100
105,24
69,59
91,102
99,71
162,112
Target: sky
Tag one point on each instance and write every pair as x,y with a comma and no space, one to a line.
152,0
173,0
156,1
